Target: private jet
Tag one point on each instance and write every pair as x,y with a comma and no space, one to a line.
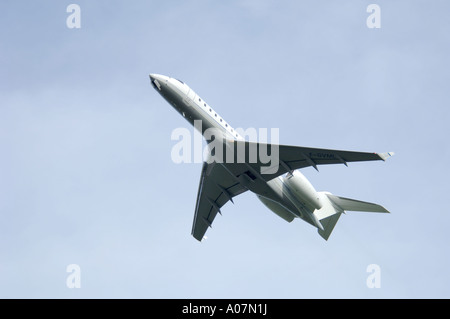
280,185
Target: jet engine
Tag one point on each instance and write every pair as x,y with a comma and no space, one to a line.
298,186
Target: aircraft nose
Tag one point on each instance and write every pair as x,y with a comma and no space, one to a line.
156,81
159,80
159,77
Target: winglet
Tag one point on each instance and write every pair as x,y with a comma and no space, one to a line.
385,156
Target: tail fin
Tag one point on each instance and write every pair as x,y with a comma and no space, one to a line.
328,225
334,206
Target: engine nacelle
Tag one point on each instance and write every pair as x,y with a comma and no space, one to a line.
277,208
301,188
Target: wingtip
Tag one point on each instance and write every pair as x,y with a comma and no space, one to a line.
385,156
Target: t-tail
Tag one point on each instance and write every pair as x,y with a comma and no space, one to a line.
334,206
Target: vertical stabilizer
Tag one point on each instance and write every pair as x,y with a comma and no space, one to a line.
328,225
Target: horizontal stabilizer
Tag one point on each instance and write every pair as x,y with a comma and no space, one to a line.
356,205
334,206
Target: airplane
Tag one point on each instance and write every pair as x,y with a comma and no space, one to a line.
281,187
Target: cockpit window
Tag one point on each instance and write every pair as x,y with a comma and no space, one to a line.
180,81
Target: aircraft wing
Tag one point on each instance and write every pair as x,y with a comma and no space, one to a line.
219,182
217,186
251,158
295,157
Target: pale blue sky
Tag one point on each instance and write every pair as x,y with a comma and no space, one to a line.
85,170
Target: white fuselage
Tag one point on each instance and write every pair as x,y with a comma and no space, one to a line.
289,196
